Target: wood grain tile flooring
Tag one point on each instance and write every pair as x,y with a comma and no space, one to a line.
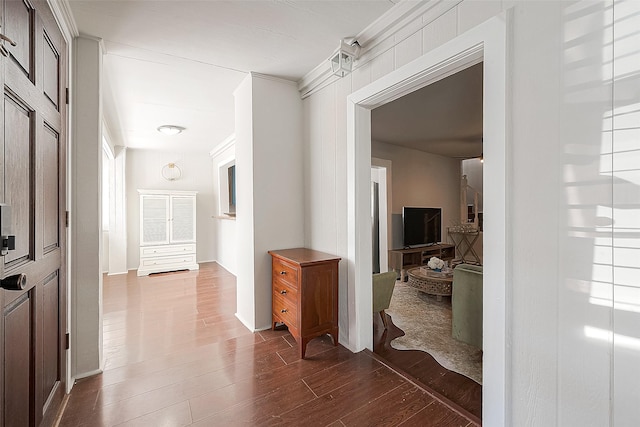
176,355
459,391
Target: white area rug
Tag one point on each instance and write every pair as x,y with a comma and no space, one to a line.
426,323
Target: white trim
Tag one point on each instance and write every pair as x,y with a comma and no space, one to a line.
229,142
273,78
169,192
63,15
98,40
387,165
393,24
89,374
487,42
246,324
64,18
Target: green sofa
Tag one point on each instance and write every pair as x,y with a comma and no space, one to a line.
466,304
383,284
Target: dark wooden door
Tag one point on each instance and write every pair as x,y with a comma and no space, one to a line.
32,182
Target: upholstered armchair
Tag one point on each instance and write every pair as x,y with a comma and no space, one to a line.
383,284
466,304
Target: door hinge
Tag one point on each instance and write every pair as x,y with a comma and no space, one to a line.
66,95
66,219
67,339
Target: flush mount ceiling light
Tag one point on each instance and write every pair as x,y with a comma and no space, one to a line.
170,129
342,60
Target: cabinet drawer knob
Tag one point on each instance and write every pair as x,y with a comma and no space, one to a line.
283,272
284,310
284,291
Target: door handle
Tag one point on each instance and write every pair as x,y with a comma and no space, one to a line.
3,50
16,282
11,42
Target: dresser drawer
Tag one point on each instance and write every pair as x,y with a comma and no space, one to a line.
167,250
285,272
285,310
173,261
284,290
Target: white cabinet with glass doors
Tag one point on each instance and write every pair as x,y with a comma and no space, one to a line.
167,231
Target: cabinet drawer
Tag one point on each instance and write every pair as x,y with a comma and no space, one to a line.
285,310
284,290
166,250
177,261
285,272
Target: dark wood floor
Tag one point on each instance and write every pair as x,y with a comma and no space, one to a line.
462,392
176,355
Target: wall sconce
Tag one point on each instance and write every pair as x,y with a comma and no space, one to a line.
342,61
171,172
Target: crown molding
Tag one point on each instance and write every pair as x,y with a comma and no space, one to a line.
63,15
272,78
400,22
229,142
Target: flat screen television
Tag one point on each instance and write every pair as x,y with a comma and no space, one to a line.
421,226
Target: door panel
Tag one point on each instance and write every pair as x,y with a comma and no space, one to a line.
50,183
50,65
18,26
50,330
17,184
155,220
182,219
17,355
32,181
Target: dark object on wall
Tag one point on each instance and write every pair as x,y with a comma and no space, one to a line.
422,226
232,188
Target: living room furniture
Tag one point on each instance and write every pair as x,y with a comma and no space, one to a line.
432,283
466,304
383,284
305,294
403,259
167,231
464,241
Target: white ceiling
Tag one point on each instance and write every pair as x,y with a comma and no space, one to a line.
443,118
178,62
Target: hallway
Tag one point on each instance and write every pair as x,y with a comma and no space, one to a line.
175,355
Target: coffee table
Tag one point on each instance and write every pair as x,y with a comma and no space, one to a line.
431,282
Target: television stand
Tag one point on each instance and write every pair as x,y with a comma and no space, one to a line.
402,260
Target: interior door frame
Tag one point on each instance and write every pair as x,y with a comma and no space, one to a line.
62,14
485,43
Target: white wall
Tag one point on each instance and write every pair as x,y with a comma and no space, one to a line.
269,191
224,227
86,211
571,334
423,180
144,171
118,249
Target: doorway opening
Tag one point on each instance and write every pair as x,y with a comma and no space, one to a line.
432,332
380,213
485,43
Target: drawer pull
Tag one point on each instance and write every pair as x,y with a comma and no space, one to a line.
283,272
283,292
284,310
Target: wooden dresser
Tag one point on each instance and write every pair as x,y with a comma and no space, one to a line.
305,294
